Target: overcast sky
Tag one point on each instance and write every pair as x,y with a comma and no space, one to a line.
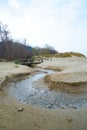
60,23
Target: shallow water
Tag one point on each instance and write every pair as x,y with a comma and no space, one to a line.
26,92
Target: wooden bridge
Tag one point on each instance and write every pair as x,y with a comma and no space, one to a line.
31,64
28,63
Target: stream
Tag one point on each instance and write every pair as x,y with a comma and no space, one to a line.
26,92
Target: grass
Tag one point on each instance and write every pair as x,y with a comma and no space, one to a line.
63,55
69,54
16,65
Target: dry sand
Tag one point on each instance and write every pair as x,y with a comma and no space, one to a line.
32,118
10,70
71,75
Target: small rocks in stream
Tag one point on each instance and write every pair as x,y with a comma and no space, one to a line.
72,106
20,109
62,107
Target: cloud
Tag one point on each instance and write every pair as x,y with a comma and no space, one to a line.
14,4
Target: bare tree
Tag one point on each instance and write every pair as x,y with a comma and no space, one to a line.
50,48
4,33
25,41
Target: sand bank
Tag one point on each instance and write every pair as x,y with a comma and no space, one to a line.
71,74
10,70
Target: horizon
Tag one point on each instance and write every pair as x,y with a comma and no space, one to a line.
59,23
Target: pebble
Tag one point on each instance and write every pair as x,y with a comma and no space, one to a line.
46,100
69,119
20,109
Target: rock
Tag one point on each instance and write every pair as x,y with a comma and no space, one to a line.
20,109
62,107
69,119
50,106
72,106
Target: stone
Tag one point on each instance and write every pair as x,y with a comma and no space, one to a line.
69,119
20,109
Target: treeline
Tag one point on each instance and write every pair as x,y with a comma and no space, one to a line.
12,50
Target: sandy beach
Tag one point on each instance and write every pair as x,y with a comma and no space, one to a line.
71,72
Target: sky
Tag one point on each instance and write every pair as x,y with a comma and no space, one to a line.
59,23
